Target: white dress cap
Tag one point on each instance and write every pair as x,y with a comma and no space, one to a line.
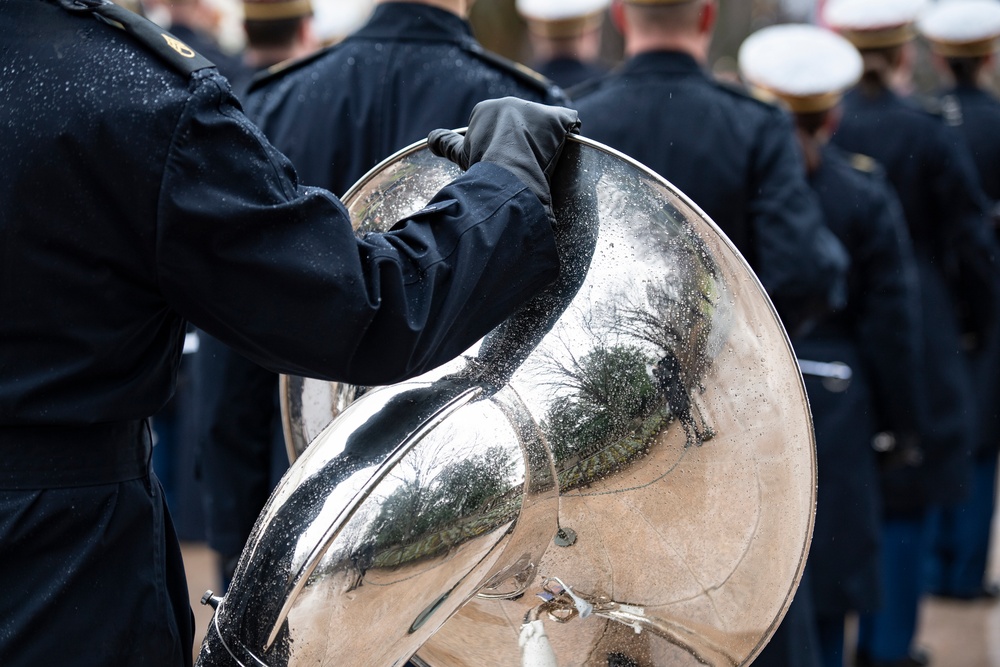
962,27
335,19
873,23
557,10
562,18
806,66
800,63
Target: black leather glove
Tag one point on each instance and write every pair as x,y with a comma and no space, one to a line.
524,137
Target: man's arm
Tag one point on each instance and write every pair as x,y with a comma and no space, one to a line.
276,271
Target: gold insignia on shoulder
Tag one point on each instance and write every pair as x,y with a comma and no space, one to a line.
863,162
524,69
179,46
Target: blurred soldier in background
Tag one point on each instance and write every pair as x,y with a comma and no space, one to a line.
733,155
737,159
945,214
963,37
413,67
241,446
565,38
859,363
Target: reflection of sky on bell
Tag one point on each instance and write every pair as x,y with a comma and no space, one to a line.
395,194
314,459
337,498
432,461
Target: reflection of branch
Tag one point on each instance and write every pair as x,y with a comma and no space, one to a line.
561,370
612,394
674,320
646,351
584,324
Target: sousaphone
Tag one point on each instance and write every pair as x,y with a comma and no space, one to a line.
620,474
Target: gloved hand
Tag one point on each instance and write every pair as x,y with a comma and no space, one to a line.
523,137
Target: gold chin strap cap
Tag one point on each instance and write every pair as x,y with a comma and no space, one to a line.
871,24
805,66
962,29
271,10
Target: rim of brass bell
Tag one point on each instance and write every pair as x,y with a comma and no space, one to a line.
622,473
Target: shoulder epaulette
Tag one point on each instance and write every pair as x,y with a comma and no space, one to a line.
930,105
275,72
739,90
523,73
171,50
862,162
951,109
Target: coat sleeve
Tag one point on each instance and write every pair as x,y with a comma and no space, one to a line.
275,270
971,266
888,315
800,262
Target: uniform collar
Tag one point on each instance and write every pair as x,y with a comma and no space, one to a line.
965,89
662,62
857,98
414,21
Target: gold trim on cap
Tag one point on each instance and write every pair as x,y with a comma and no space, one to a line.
811,103
973,49
798,103
880,37
276,9
564,28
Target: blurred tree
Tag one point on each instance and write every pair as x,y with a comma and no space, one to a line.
736,18
499,28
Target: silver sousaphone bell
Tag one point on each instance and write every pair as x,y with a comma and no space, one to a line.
622,473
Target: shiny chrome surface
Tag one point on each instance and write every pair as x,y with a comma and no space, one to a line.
629,459
396,515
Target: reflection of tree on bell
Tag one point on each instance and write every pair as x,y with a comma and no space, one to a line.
612,395
425,516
